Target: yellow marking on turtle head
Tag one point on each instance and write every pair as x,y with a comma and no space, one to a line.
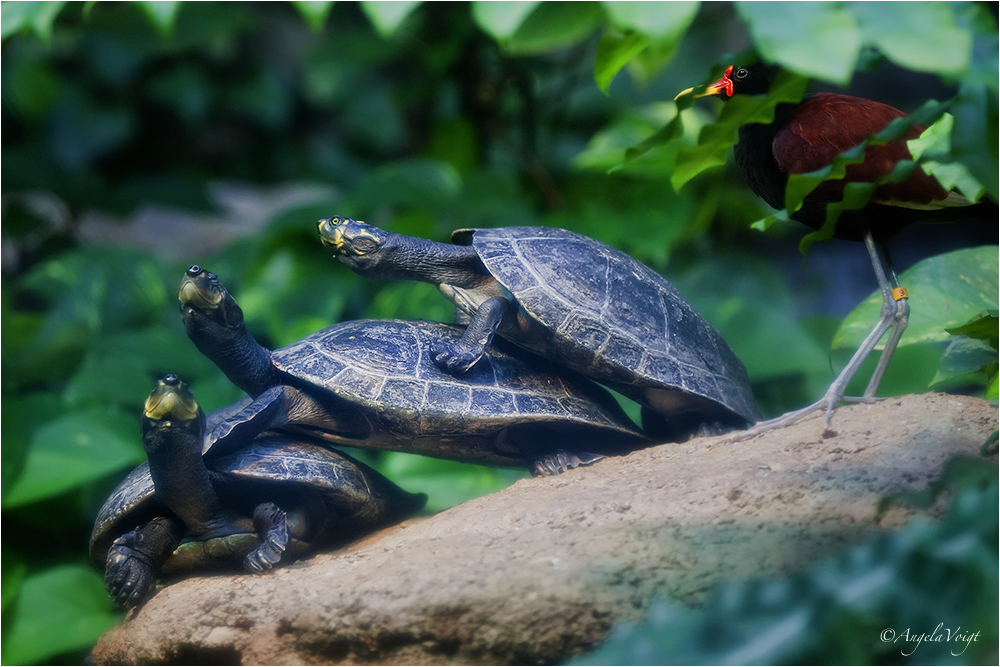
199,293
360,249
331,232
171,399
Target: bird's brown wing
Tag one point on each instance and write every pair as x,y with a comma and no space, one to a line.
827,124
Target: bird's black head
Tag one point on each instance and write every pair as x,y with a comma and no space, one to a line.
752,80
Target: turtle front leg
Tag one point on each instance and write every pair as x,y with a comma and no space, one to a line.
271,524
135,559
457,358
267,411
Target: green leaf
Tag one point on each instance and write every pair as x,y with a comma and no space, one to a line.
665,135
454,142
715,140
14,573
84,129
263,97
856,196
613,53
965,356
981,327
417,182
660,21
935,141
162,14
388,15
73,450
59,610
818,39
921,36
974,350
659,25
281,296
553,26
120,368
31,86
314,12
934,144
608,148
446,483
184,88
22,416
410,300
102,289
648,64
945,291
38,16
955,175
976,136
658,218
800,185
501,19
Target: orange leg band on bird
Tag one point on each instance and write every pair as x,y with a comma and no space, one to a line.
899,293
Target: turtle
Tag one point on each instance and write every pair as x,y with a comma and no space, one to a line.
373,384
187,509
576,301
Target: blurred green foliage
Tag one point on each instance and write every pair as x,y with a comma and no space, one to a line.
142,137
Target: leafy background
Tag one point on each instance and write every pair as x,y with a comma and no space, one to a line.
139,138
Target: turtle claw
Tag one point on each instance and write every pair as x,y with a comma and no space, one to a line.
711,430
129,576
134,560
561,461
453,360
271,525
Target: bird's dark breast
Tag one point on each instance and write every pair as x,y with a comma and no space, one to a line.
755,161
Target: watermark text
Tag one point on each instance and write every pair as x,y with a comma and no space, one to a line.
912,640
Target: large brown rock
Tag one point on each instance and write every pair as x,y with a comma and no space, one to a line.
546,567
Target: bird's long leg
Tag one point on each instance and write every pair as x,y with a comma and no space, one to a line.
894,315
894,301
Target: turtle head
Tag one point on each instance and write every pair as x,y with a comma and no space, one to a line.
210,314
214,323
172,418
357,244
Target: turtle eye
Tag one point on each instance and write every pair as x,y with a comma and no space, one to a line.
742,73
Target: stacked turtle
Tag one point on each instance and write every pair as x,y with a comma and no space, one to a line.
258,481
588,307
194,504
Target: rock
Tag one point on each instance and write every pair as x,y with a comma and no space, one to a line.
546,567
